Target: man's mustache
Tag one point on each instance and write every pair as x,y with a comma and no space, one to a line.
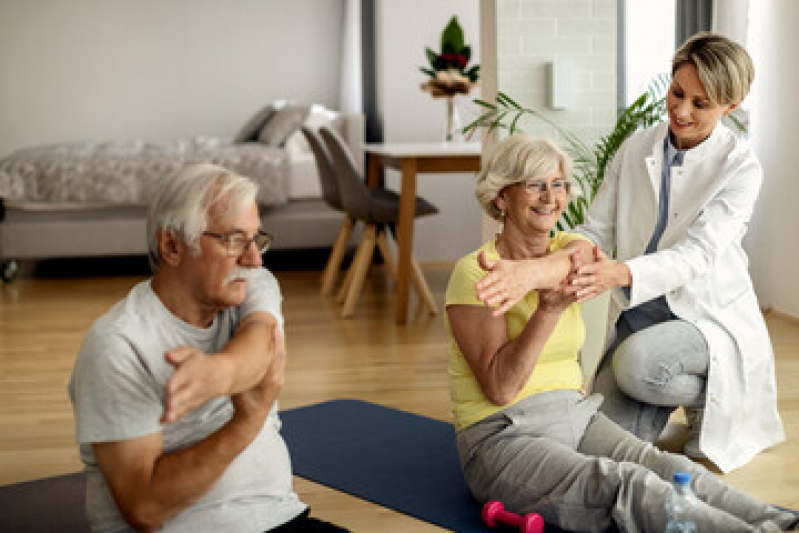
241,274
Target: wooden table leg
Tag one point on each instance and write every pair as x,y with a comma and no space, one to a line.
405,237
374,175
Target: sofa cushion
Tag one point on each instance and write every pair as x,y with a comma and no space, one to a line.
283,123
319,116
250,130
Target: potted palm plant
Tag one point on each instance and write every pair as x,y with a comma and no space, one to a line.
590,162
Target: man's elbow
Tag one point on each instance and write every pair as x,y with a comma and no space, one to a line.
144,515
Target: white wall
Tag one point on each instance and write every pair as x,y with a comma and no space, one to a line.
404,29
153,69
772,241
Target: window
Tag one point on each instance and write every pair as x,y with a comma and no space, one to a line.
649,29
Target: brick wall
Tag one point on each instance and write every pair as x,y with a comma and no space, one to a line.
532,33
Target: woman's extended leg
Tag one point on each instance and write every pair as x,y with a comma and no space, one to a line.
605,438
510,458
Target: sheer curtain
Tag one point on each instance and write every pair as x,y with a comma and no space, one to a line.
692,16
731,18
727,17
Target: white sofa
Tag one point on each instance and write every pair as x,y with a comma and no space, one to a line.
39,231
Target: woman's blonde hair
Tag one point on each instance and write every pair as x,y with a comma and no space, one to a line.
724,67
517,159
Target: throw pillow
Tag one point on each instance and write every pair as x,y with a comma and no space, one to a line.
249,132
282,124
318,117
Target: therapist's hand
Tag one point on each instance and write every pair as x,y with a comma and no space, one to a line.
590,280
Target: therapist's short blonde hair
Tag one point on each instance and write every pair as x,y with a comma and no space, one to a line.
517,159
724,67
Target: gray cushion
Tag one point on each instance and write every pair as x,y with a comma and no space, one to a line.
283,123
249,132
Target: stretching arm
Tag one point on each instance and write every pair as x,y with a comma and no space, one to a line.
239,366
150,486
507,281
502,366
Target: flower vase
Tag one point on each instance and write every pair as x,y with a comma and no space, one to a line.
453,121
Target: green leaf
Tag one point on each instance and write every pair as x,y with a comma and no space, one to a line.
452,37
432,57
483,103
512,127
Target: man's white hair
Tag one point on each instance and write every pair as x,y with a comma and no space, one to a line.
182,202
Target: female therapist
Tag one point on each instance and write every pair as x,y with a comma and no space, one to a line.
685,328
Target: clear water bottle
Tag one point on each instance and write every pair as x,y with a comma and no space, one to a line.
680,507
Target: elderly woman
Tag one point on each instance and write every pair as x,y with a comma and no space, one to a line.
685,328
526,433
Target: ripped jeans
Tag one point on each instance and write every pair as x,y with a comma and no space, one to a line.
645,375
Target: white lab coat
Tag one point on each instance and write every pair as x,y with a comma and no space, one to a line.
702,269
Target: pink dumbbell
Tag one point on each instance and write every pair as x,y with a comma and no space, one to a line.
494,514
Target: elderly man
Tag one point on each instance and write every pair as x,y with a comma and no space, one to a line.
176,416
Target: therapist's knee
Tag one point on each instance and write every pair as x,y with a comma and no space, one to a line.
637,364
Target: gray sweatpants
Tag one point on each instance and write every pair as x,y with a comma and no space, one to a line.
554,454
646,374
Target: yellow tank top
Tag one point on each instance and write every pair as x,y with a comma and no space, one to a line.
558,365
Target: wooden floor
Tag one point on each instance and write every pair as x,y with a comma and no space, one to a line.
44,314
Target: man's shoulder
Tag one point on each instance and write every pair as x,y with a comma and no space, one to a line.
130,318
128,312
263,278
263,294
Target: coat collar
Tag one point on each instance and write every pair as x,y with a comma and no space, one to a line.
693,154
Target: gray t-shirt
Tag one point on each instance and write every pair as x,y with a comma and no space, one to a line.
117,390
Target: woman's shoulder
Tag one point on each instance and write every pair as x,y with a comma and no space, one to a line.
467,271
644,140
649,135
560,239
470,261
729,149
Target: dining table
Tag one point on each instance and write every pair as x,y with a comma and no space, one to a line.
413,159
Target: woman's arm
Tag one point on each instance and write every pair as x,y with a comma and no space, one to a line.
509,281
502,366
721,222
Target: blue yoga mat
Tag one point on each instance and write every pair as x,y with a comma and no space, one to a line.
400,460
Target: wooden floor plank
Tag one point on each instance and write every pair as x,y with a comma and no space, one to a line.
368,357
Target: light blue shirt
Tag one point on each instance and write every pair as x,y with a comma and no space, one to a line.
657,310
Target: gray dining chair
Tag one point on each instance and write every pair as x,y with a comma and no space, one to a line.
329,184
379,210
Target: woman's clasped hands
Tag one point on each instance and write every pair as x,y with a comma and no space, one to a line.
507,282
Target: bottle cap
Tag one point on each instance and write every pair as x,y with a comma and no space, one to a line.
682,477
